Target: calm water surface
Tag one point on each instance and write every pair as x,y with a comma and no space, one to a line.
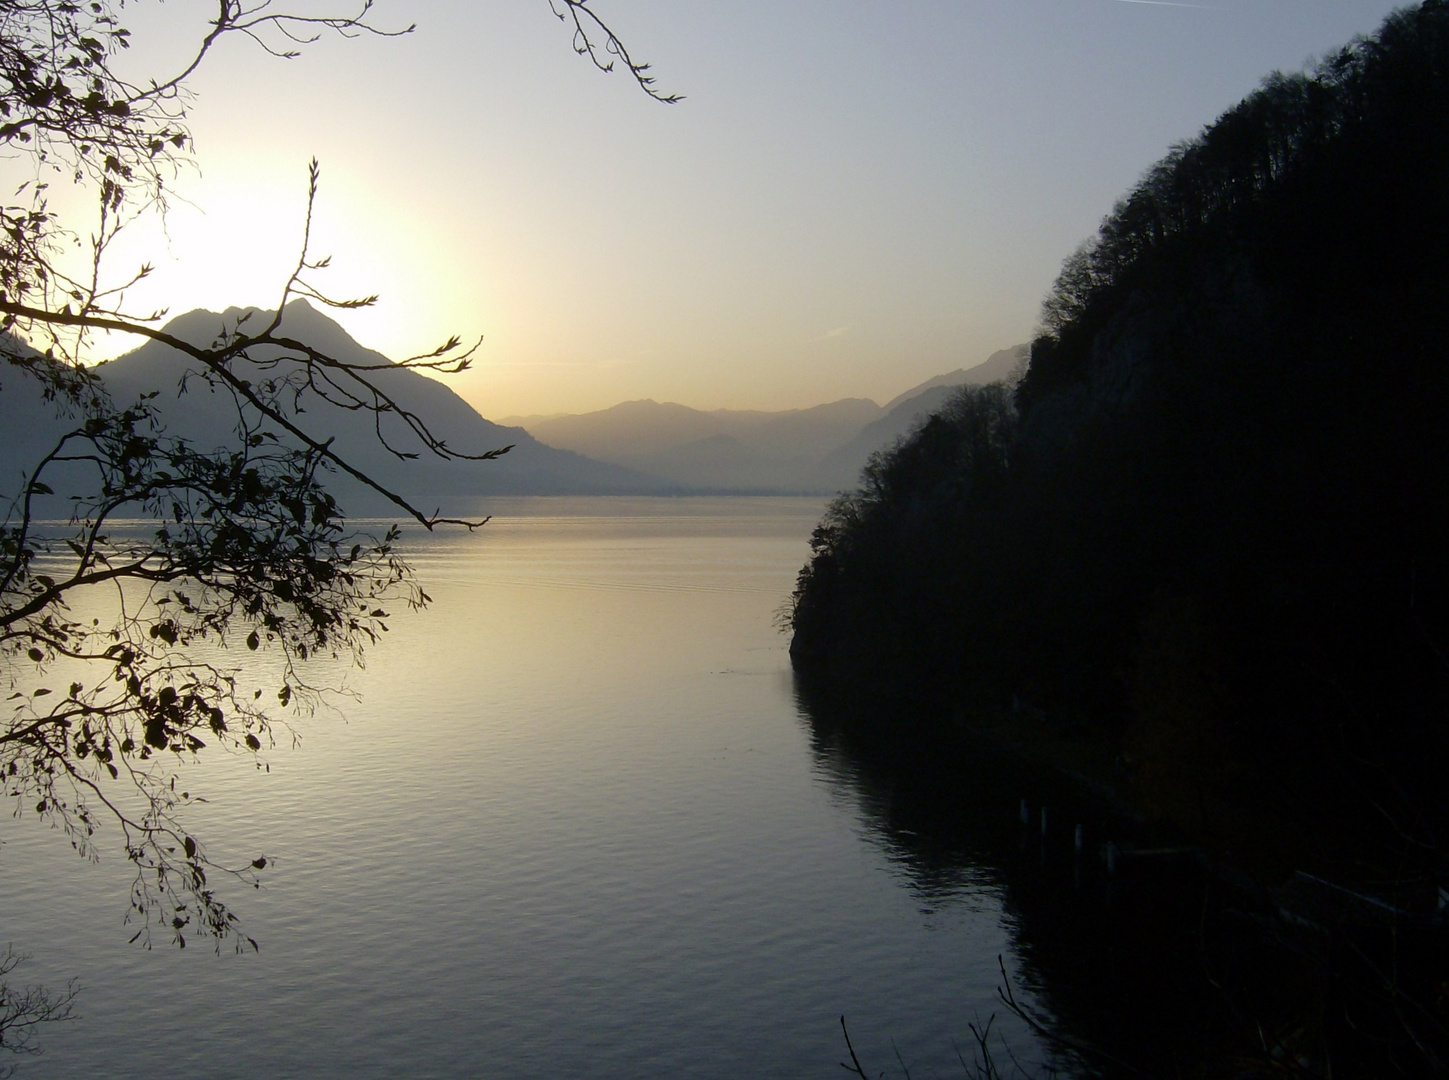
577,824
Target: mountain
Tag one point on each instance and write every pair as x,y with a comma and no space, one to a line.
1004,365
723,449
841,467
1201,559
193,410
1209,536
29,425
819,449
630,428
637,447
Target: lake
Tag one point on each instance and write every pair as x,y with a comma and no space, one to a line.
581,821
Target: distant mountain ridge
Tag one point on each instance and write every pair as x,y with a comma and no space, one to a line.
816,450
1004,365
206,417
636,447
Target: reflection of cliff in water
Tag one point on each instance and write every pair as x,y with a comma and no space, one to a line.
1117,960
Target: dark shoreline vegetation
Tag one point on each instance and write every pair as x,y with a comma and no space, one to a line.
1199,555
1100,948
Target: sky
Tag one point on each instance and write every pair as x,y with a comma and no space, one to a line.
853,196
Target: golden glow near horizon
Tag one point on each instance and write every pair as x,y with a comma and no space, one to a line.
854,196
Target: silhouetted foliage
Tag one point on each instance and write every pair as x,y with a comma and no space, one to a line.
113,632
158,593
1216,540
1234,407
927,496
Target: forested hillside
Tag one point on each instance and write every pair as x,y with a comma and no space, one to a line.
1209,532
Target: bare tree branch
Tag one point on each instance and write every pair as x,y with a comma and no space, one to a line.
594,39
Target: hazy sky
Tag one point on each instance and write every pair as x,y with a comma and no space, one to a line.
855,195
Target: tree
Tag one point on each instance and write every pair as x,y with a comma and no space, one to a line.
24,1010
129,647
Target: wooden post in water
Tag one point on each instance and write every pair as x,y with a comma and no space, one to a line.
1025,813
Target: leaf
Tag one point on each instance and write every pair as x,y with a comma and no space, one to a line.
253,743
36,655
253,641
190,847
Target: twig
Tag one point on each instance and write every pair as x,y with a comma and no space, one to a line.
855,1060
1008,998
